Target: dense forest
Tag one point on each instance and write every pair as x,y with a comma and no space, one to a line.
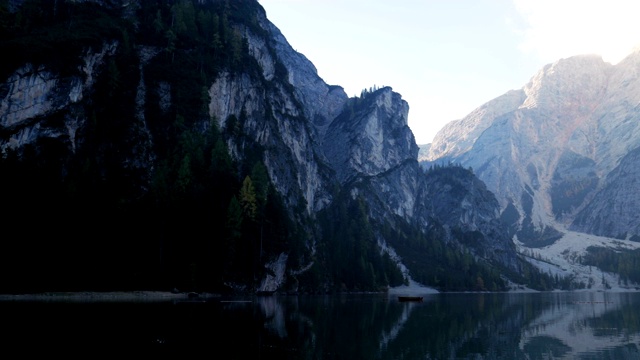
625,263
81,216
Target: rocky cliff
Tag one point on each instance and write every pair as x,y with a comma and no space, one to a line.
164,119
553,151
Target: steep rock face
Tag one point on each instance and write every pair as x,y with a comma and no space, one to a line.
612,210
372,140
546,153
276,120
374,154
320,102
460,201
309,135
31,93
458,137
366,142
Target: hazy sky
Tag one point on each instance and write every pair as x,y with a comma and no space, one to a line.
447,57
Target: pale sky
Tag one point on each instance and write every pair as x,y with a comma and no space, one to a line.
448,57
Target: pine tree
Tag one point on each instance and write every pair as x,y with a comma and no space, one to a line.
248,200
233,234
184,174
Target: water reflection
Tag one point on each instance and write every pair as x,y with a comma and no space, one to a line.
585,326
442,326
455,326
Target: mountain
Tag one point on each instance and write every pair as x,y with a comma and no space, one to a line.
558,153
185,145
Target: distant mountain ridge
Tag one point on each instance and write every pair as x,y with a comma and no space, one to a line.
559,152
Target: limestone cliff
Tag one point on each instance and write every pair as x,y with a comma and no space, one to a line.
552,150
166,126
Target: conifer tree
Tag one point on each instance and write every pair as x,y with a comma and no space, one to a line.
248,200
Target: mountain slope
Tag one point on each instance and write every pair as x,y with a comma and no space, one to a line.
548,149
186,145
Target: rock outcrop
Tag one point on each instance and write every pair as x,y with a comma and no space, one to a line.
547,149
271,107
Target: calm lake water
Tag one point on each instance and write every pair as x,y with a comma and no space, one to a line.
443,326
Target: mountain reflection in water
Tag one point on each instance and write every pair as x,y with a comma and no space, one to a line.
558,325
455,326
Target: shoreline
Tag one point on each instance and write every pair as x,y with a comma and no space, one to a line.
107,296
167,296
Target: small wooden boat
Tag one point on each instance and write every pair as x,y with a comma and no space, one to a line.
409,298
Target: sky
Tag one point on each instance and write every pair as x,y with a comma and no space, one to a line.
448,57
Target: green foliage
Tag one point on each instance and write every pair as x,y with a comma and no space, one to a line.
450,169
434,263
625,263
248,199
535,279
184,174
535,238
260,181
349,253
359,102
55,34
366,92
233,234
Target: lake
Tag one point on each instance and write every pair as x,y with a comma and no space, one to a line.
558,325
